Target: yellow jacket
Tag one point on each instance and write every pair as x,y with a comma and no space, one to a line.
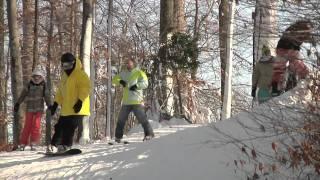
71,88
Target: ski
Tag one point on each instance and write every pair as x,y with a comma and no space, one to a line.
122,142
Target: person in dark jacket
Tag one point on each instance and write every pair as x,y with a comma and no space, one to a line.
34,95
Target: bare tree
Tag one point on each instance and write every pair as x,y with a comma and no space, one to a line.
179,22
179,26
16,69
109,73
85,53
264,26
36,34
166,28
223,19
48,70
27,42
3,103
195,34
227,96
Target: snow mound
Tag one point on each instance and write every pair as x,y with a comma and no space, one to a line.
156,125
221,150
138,128
175,122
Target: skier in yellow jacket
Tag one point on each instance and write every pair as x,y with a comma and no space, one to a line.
133,81
73,97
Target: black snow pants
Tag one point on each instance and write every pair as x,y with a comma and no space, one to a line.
64,130
138,111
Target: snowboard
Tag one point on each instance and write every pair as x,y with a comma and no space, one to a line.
66,153
122,142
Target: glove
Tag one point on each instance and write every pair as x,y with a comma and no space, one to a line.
53,108
77,107
253,92
123,83
133,87
16,107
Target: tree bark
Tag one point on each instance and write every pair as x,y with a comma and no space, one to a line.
109,71
179,25
227,99
223,19
264,27
166,23
36,35
3,103
48,70
16,69
27,42
85,52
72,26
179,13
195,36
166,28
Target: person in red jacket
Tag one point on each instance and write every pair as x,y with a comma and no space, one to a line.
288,66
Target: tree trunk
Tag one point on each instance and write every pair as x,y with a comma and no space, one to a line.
227,99
179,13
85,53
93,77
48,70
60,20
16,69
109,71
264,27
166,29
179,25
72,27
36,35
3,103
223,19
27,42
195,36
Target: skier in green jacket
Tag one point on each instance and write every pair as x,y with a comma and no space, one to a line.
133,81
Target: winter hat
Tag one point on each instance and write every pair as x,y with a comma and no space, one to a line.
265,50
67,61
38,71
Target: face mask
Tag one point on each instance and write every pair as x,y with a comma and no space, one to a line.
37,79
67,65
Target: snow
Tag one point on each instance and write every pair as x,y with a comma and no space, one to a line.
179,151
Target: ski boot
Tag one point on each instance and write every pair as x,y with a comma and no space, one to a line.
22,147
63,148
32,147
148,137
117,140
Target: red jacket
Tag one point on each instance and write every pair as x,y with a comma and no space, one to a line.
288,59
298,68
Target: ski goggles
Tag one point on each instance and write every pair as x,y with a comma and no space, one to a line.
67,65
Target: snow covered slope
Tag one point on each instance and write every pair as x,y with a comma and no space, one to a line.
180,152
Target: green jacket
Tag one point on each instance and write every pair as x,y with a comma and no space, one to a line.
262,74
133,77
